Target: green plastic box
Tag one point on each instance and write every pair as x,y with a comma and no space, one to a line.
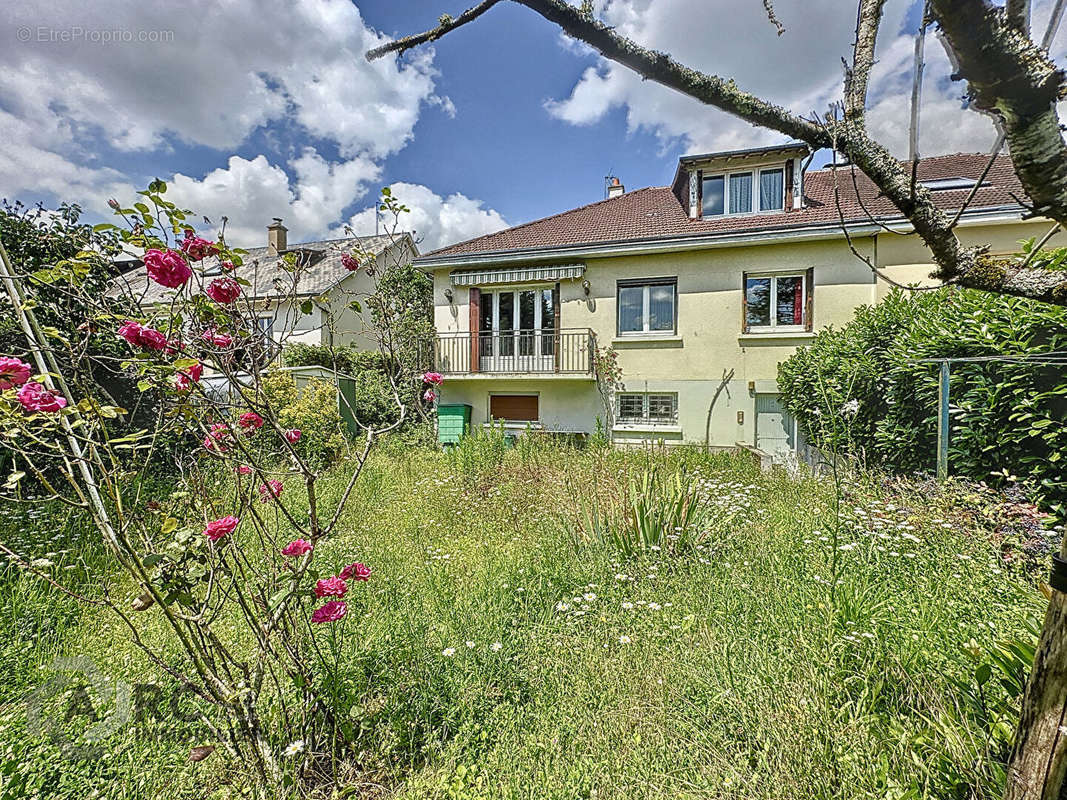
453,420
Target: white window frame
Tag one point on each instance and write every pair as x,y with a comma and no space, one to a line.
755,173
774,324
645,418
646,305
269,329
756,192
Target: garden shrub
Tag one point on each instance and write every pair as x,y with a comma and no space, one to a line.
1007,417
345,358
312,410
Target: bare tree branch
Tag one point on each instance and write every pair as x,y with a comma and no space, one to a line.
1013,79
956,263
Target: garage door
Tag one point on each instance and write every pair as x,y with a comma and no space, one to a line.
519,407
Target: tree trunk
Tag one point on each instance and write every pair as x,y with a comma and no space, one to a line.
1039,759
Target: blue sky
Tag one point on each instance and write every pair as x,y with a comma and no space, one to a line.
263,108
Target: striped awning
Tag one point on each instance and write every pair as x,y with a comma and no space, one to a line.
477,277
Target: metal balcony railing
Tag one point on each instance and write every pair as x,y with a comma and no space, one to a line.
535,352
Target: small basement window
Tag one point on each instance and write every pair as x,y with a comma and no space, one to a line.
514,407
648,408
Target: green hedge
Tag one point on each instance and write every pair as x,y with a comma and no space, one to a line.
1008,418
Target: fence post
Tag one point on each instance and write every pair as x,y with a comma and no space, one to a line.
942,422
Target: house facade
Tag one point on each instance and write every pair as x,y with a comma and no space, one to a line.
701,288
284,277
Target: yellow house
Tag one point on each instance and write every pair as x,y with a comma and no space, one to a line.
701,288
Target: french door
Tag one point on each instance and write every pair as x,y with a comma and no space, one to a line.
517,331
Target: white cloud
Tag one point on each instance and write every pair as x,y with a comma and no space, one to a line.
437,221
251,192
214,74
800,70
223,70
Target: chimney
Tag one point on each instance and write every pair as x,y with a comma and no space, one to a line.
615,187
276,241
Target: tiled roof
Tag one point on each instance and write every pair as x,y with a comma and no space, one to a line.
656,213
320,270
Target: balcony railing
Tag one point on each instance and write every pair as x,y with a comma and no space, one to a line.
568,351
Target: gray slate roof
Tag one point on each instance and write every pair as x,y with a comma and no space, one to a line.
320,270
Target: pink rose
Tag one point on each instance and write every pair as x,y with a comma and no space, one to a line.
166,268
250,422
297,547
293,436
212,337
140,336
244,469
34,397
272,488
360,572
351,263
224,290
329,612
229,266
429,395
196,248
13,372
218,438
436,378
331,587
184,379
218,528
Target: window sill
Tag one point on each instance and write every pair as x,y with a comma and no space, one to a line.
646,339
773,335
646,427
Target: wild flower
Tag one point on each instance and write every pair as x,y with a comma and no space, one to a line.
496,647
470,644
293,748
448,652
624,639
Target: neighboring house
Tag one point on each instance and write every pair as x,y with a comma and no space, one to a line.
278,290
702,287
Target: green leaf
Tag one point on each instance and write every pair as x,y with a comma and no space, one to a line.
983,674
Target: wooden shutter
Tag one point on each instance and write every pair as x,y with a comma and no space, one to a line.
517,407
475,321
700,193
557,340
809,306
788,184
744,302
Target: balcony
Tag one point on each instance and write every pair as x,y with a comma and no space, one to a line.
521,352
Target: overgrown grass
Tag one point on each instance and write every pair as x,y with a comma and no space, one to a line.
501,651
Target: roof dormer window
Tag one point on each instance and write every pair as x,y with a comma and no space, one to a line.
743,192
949,184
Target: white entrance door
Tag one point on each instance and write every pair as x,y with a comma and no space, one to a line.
775,427
517,331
